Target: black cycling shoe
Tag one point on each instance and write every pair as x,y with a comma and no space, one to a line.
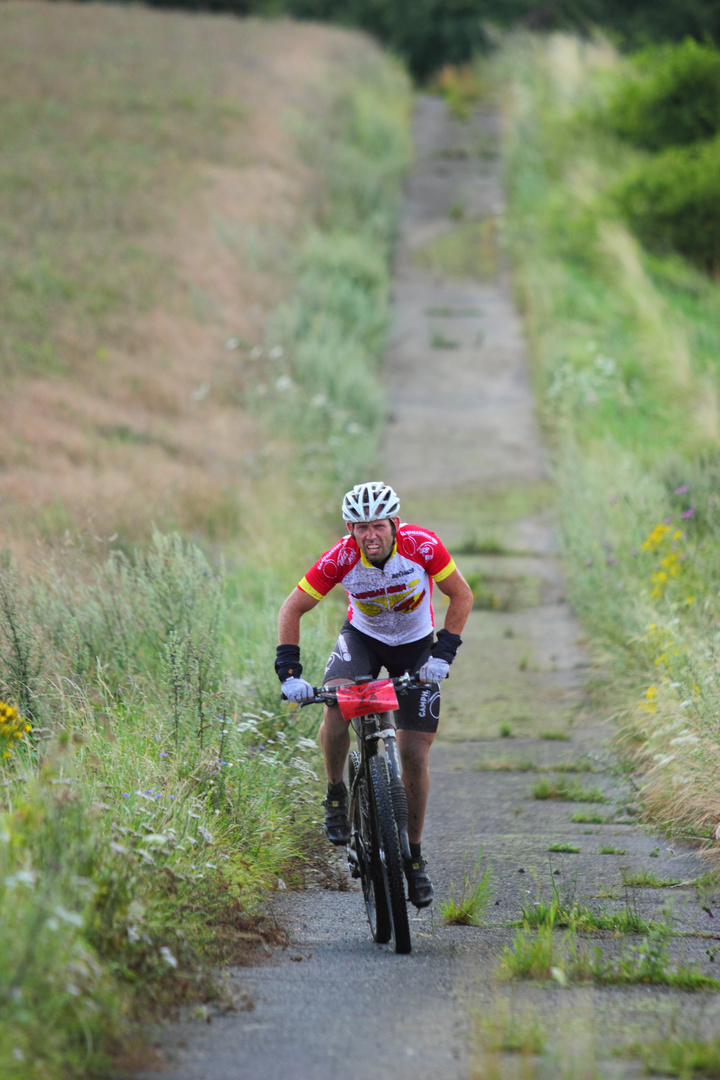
337,826
420,887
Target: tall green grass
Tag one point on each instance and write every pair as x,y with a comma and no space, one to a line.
330,333
626,364
154,804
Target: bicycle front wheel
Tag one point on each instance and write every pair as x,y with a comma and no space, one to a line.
390,854
367,852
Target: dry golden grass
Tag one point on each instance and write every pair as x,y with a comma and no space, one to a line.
125,407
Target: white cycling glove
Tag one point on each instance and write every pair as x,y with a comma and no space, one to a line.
434,670
297,690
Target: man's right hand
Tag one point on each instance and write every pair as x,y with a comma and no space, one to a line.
297,690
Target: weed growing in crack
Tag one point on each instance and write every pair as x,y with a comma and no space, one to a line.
581,918
532,956
678,1056
466,907
567,790
565,912
512,1030
646,879
542,954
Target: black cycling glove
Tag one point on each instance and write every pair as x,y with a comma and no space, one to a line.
446,646
287,662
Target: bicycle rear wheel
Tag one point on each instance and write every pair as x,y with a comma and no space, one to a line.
391,857
367,851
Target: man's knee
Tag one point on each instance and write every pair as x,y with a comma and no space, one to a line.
334,726
414,747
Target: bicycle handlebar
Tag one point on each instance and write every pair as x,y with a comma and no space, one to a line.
327,695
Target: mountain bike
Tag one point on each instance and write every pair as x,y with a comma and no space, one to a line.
378,808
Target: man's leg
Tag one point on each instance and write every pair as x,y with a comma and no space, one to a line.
348,659
414,749
334,738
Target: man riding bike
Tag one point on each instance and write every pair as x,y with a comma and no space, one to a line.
388,570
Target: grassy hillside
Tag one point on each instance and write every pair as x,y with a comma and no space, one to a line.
626,349
197,215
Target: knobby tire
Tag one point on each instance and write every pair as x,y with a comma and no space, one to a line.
367,848
392,866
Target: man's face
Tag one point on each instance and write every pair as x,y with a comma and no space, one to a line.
374,538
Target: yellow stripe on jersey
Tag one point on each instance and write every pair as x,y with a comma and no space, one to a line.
307,587
446,572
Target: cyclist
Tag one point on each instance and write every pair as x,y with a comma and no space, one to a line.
388,570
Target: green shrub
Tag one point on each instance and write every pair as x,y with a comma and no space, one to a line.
672,97
673,202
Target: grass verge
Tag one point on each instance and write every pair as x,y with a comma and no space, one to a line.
158,794
625,350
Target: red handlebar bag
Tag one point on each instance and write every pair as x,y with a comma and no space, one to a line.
366,698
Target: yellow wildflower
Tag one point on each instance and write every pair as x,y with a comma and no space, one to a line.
656,537
671,563
13,727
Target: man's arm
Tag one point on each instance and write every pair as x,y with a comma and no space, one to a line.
297,603
459,593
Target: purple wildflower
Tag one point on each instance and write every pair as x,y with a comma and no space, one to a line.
682,490
668,521
126,794
688,513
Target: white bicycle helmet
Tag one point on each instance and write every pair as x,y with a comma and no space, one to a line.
370,502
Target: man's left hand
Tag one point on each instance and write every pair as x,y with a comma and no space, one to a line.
434,670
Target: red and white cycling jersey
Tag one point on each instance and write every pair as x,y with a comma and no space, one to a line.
392,603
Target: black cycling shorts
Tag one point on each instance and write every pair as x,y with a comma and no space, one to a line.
356,654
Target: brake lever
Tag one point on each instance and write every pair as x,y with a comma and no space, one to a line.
319,698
